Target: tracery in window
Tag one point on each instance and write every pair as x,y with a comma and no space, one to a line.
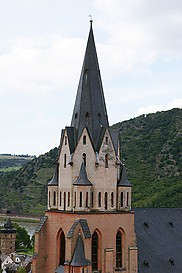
94,251
119,249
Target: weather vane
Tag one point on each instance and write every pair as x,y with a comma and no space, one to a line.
91,20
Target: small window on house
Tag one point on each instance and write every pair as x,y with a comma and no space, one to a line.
76,115
86,200
64,160
54,198
60,198
106,161
92,199
121,199
99,199
84,158
68,199
112,199
84,140
87,114
106,139
105,200
80,199
65,140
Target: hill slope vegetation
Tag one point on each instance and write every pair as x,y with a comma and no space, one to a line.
151,150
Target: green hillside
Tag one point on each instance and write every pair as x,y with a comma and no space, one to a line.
10,162
151,150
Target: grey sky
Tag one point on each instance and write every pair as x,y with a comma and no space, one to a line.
139,45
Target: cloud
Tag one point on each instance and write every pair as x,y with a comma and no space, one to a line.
177,103
40,65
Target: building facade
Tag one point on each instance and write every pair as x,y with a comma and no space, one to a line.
89,224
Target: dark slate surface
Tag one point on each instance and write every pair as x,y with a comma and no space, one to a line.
82,179
71,138
79,254
85,228
54,180
90,96
115,138
123,182
159,240
41,223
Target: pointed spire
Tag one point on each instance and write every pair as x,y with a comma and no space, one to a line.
54,180
79,254
123,179
90,109
82,179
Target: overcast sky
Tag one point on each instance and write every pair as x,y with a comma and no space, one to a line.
139,46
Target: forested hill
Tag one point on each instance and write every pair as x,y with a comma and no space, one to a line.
151,150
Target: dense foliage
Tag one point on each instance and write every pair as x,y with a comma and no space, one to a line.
151,147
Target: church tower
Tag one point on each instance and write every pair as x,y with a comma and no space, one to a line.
89,225
7,238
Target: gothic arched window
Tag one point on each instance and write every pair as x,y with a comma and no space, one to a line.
64,200
68,199
86,199
64,160
119,249
105,200
84,158
60,198
92,199
112,199
106,161
62,248
121,199
95,251
99,199
80,199
84,140
127,199
54,198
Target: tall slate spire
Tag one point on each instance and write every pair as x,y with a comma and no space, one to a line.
90,109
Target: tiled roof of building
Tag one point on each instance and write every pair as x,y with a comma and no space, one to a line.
82,179
159,240
90,109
